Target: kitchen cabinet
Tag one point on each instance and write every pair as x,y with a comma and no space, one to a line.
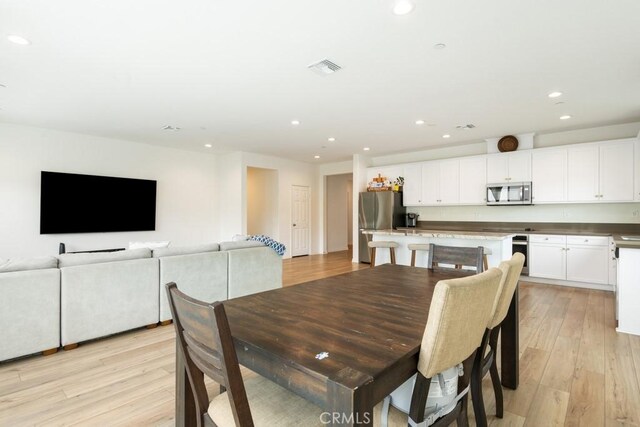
637,170
473,180
412,189
548,257
574,258
616,172
441,182
601,172
509,167
549,175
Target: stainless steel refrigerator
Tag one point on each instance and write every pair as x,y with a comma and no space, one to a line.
380,210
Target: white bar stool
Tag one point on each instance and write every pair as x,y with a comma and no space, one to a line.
382,244
413,247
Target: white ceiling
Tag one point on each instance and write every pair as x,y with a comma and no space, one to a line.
234,73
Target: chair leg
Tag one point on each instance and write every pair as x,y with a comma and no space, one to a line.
413,258
495,377
463,417
485,262
476,382
372,255
393,255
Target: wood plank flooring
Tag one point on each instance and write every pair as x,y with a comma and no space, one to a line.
575,368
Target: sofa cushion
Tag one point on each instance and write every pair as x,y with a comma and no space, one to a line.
186,250
149,245
229,246
69,260
17,264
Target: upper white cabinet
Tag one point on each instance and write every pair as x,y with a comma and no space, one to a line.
600,172
616,172
473,180
440,182
509,167
549,175
412,189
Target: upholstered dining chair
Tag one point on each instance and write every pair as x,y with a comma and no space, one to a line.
205,342
458,315
486,359
459,256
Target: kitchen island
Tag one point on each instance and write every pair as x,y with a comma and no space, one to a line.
499,244
628,289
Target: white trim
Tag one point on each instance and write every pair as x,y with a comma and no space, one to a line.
569,283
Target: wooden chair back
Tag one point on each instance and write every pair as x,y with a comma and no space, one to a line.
458,256
205,341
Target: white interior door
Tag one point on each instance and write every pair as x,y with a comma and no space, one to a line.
300,220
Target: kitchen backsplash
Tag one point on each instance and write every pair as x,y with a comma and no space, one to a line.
600,213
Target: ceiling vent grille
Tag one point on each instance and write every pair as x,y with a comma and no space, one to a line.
465,127
324,67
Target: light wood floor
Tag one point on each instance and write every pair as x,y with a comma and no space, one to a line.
575,368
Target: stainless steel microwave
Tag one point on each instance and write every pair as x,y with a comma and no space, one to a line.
512,193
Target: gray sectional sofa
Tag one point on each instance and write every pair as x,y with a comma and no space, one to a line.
48,302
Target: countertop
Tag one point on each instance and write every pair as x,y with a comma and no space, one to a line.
446,234
627,244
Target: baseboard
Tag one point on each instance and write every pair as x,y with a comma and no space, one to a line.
569,283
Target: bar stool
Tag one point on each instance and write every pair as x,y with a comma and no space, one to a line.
382,244
413,247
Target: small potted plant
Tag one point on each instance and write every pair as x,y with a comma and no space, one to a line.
398,183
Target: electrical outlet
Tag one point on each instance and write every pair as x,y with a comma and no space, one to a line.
636,213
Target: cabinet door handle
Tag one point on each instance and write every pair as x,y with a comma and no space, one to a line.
586,240
568,249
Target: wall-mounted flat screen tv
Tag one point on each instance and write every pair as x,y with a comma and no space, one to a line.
73,203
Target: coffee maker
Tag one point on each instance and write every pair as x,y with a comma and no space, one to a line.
412,219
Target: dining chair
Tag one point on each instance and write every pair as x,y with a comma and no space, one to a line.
458,256
459,312
486,358
206,344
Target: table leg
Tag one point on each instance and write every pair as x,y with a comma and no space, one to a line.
349,406
185,403
510,345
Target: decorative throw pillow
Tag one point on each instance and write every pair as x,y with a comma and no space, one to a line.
149,245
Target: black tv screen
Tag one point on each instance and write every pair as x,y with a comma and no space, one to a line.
73,203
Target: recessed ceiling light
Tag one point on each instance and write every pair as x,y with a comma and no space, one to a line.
439,46
331,139
555,94
366,148
419,122
402,7
316,157
208,145
295,122
18,40
565,117
446,136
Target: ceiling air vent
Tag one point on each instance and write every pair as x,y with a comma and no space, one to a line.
324,67
465,127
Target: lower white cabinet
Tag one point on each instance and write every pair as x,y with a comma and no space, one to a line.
574,258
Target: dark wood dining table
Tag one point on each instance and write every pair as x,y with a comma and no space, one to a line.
343,342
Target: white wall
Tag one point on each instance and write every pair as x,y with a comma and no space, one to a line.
185,212
338,202
262,201
232,205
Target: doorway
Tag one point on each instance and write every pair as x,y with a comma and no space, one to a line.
262,202
339,212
